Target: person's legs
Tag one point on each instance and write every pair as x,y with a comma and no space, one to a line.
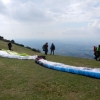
46,51
53,52
9,48
97,55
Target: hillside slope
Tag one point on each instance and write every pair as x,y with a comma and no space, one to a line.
17,48
26,80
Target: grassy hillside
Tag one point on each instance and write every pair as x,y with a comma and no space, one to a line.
19,49
26,80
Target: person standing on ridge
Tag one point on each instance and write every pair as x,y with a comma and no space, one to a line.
52,48
45,48
9,46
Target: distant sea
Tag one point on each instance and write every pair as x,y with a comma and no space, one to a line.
64,48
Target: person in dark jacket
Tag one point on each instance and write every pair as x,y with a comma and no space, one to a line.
9,46
45,48
52,48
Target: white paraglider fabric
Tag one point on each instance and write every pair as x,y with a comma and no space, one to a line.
12,54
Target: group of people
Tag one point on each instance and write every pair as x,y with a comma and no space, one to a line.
52,48
45,48
97,52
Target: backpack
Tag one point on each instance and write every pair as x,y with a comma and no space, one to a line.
43,47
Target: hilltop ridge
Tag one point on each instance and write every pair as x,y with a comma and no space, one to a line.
13,42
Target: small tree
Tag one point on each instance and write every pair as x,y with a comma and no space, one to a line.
1,38
12,41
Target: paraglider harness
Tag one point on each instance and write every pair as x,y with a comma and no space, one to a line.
39,58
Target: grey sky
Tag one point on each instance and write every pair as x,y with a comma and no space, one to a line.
50,19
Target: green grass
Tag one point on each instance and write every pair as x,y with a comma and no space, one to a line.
26,80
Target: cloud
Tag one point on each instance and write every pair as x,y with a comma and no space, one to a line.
95,27
3,8
96,24
53,10
30,12
52,19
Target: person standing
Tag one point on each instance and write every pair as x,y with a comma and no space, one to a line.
52,48
45,48
97,54
9,46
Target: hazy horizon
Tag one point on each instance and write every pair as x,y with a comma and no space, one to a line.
65,48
